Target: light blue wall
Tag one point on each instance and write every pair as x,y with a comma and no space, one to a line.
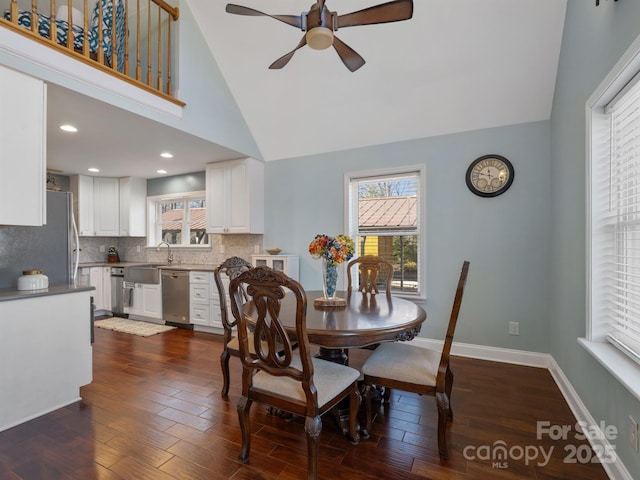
190,182
594,39
506,238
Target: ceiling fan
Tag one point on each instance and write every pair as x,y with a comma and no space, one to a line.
319,25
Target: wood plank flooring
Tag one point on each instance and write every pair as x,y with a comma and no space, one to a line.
154,412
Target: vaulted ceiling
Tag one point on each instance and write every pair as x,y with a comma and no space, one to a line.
457,65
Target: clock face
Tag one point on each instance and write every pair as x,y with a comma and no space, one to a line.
490,175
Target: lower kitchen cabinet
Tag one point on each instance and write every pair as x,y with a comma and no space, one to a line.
146,301
204,307
100,279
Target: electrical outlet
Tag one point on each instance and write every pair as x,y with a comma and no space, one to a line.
514,328
633,433
256,249
138,248
102,249
222,248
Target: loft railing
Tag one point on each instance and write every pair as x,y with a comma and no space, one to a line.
134,43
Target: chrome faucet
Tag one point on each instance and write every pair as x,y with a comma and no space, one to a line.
169,254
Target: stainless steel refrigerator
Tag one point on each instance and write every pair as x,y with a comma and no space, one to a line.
50,248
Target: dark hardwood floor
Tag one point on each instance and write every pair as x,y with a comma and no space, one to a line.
154,412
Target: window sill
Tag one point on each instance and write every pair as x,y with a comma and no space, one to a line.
625,370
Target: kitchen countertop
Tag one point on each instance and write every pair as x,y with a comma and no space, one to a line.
200,267
7,294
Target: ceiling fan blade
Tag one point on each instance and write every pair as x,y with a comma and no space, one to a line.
348,55
282,61
395,11
293,20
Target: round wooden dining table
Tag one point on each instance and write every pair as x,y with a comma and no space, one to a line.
365,320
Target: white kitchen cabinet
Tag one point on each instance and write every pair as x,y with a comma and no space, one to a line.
146,301
289,264
22,149
82,189
106,206
204,307
235,196
110,207
100,279
133,207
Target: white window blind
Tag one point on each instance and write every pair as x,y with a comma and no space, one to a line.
619,223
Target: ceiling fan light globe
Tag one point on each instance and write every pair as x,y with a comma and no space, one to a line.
320,38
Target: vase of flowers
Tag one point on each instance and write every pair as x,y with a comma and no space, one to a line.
333,251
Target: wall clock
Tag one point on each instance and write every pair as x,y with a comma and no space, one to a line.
490,175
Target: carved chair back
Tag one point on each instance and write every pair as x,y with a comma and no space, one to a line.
232,267
371,268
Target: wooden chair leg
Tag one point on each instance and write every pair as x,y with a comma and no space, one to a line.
443,414
354,405
386,396
367,407
448,383
224,364
313,427
244,404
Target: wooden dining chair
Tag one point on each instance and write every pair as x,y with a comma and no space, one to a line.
232,267
279,376
371,268
419,370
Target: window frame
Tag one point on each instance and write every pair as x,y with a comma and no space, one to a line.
619,364
419,170
154,229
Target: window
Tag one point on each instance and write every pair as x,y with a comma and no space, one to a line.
384,220
613,235
178,219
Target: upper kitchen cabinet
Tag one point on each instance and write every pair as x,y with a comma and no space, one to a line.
110,207
22,149
133,207
235,196
106,207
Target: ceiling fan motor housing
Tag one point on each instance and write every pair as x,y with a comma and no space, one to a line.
319,25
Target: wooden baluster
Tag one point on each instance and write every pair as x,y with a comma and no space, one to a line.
159,79
100,42
34,16
114,54
85,40
14,11
53,27
126,39
149,42
138,66
70,39
169,86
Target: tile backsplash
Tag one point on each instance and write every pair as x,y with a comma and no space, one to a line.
133,249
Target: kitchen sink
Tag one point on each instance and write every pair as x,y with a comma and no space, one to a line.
143,273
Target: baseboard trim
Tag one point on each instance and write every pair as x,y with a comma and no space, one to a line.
615,469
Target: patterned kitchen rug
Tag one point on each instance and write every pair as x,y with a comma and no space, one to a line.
134,327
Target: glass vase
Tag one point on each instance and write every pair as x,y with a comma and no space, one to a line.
329,279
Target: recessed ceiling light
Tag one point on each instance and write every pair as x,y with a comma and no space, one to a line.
162,172
166,155
93,169
68,128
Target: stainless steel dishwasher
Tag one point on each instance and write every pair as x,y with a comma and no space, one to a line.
175,296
